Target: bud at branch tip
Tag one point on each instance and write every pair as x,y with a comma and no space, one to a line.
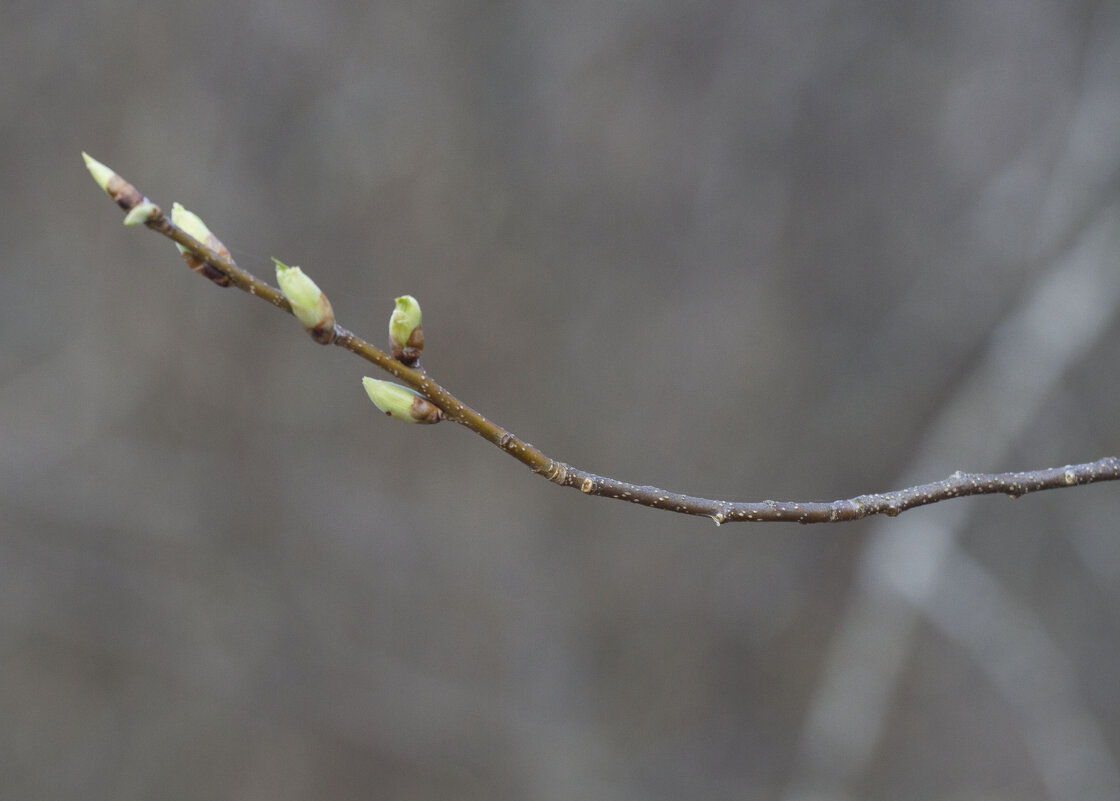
125,195
101,174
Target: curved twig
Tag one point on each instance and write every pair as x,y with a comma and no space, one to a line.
223,270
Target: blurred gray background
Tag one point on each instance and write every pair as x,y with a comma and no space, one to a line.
747,250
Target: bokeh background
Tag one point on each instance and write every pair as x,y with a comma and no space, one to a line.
747,250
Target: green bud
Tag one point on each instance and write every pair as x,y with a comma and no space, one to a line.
196,229
142,213
126,195
308,302
401,402
406,336
191,223
99,171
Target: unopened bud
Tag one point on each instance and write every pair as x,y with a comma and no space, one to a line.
126,195
308,302
401,402
99,171
406,336
142,213
194,227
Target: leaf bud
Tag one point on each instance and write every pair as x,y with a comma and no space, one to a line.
101,174
125,194
143,212
309,303
406,335
194,227
400,402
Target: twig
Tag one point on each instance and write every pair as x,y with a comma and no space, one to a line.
215,263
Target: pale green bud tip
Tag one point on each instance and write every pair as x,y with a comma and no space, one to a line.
142,213
190,222
308,302
99,171
393,399
405,318
406,336
400,402
296,286
407,311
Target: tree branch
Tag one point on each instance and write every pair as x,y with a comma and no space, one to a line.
212,260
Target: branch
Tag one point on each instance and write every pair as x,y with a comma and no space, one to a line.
206,255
